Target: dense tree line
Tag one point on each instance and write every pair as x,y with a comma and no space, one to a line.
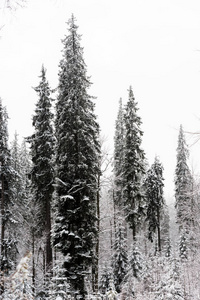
71,231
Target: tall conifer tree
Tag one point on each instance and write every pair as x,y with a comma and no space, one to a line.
21,163
134,164
77,167
120,259
155,201
42,143
25,169
18,204
20,174
7,242
183,185
119,156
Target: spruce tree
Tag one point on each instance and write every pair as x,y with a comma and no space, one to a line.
18,202
8,241
136,262
59,287
183,246
15,162
77,164
134,164
19,182
21,164
165,230
170,285
25,169
42,176
120,259
183,186
119,156
106,278
25,202
155,201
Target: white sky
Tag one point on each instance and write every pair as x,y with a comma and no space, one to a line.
152,45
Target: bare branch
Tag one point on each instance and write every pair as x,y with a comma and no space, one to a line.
13,4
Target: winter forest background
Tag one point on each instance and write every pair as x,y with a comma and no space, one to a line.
79,221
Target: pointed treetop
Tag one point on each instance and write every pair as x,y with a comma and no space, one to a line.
182,142
131,91
132,104
72,24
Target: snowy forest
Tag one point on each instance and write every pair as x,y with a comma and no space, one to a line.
79,222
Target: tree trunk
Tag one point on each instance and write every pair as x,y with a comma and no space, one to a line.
134,232
95,268
133,221
159,237
2,236
114,213
33,262
98,231
49,256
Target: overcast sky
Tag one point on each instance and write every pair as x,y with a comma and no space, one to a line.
152,45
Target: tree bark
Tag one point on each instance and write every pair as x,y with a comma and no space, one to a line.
2,236
159,237
49,256
33,261
95,268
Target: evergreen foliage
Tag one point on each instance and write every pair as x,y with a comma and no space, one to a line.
169,291
112,293
77,168
24,206
21,206
170,287
18,199
8,240
119,156
168,248
120,259
183,185
59,285
42,149
25,169
105,279
16,165
134,164
81,212
42,142
183,248
155,201
136,262
165,229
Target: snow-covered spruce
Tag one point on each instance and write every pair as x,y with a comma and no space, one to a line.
77,168
134,165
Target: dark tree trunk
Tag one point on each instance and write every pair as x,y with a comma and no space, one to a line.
159,237
2,221
134,232
33,261
95,268
48,236
2,236
98,231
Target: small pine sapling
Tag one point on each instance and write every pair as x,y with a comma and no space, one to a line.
136,262
183,251
105,280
